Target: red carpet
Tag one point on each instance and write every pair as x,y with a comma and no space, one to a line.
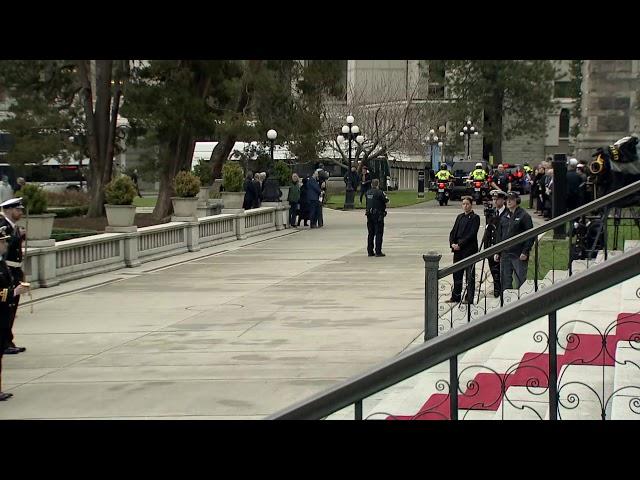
485,391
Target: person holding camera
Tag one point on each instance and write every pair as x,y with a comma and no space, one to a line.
514,259
376,211
493,216
463,240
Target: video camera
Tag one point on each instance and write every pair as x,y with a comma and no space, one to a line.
489,211
616,166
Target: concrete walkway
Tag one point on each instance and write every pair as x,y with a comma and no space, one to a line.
235,331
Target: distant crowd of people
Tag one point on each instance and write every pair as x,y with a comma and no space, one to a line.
542,187
306,196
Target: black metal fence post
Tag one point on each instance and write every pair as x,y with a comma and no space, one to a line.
358,410
453,388
553,367
559,195
431,265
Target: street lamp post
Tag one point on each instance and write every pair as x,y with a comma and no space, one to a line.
350,132
467,130
271,136
431,140
271,189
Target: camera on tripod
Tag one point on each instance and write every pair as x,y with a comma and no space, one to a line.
489,211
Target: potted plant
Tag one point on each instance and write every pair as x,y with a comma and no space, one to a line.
119,194
39,224
232,180
187,187
203,172
283,173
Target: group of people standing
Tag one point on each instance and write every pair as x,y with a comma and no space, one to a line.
542,187
355,179
505,221
306,199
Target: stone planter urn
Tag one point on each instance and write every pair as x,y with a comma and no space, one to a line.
38,227
185,208
285,194
232,200
203,195
120,215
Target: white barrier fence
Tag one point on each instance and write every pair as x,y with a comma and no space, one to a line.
82,257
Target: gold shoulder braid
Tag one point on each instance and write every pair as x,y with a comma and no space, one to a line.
3,294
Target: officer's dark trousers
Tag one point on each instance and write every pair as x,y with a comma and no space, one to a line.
470,277
376,230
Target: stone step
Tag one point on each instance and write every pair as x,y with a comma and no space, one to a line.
625,404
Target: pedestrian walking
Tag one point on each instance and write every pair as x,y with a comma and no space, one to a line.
12,211
9,291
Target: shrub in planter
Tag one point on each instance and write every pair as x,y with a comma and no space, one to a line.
186,184
203,172
39,224
34,199
232,177
283,173
120,191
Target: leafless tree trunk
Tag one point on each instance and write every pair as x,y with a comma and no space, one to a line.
225,145
101,107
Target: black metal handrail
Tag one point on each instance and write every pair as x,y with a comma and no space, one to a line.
534,232
455,342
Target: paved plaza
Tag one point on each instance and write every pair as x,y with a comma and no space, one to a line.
236,331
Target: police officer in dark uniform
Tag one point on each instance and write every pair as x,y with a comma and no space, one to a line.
493,217
12,211
8,294
376,211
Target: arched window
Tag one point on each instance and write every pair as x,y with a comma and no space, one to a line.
564,123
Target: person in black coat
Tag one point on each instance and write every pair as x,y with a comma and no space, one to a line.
9,291
313,197
464,243
303,213
248,192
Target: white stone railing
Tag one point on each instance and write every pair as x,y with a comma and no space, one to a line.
259,219
81,257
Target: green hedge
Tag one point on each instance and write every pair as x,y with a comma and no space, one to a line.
71,212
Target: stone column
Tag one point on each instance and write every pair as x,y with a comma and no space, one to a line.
431,264
193,236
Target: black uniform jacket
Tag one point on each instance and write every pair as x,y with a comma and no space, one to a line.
376,204
512,224
465,233
14,251
7,284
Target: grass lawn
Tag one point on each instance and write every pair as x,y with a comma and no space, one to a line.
396,199
145,201
555,253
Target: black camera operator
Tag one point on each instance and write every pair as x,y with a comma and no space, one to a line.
494,213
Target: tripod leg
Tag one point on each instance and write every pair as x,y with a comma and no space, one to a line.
482,245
